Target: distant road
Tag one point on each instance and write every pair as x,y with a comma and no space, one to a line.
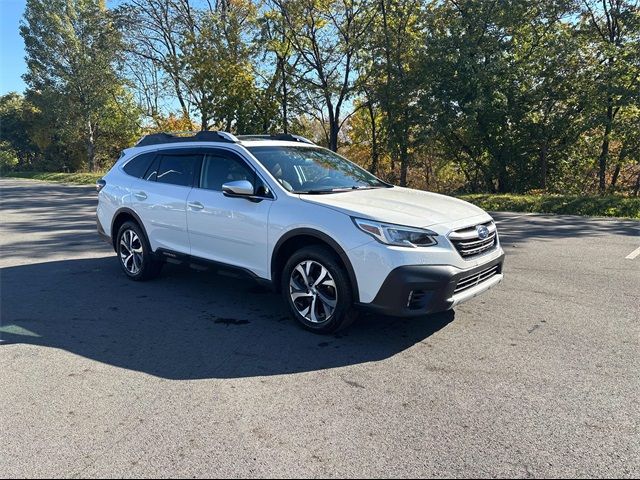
201,375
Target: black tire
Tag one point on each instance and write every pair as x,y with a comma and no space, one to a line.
148,265
315,257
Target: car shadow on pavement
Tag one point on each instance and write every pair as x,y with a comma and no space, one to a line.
184,325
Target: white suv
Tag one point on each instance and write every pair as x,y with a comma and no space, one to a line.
330,236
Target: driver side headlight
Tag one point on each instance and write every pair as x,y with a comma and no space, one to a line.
398,235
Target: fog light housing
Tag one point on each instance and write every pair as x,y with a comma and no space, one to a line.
417,299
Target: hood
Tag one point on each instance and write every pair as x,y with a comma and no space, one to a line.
402,206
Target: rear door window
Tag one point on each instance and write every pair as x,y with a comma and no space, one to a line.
177,168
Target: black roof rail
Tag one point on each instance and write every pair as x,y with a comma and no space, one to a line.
287,137
179,137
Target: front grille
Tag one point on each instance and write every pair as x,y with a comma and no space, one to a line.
476,279
469,244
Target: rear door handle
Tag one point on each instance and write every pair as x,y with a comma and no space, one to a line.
140,195
195,205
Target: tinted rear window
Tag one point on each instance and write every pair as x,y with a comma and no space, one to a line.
152,171
177,169
139,165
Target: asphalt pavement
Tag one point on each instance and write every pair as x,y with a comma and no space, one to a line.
197,374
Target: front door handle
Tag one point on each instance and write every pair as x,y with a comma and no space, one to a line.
195,205
140,195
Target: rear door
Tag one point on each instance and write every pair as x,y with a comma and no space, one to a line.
160,197
229,230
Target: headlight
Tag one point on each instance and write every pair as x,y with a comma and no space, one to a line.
397,234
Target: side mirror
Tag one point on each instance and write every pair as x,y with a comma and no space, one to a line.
242,188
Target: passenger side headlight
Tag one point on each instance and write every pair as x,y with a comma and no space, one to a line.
397,234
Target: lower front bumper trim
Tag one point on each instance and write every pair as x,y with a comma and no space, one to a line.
433,285
470,293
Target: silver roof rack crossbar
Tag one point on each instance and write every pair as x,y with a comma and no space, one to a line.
180,137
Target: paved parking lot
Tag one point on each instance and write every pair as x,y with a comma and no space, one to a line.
197,374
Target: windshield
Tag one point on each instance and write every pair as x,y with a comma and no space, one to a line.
314,170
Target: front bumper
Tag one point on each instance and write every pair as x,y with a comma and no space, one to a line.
415,290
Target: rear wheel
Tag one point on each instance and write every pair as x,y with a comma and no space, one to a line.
134,252
317,290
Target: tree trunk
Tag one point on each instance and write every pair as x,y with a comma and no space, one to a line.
333,135
470,181
404,163
604,151
543,167
180,97
284,97
91,146
616,172
636,189
614,179
503,178
375,155
402,132
386,98
393,166
488,180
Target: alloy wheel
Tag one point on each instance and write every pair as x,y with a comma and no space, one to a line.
131,252
313,291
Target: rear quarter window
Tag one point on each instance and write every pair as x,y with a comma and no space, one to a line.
139,165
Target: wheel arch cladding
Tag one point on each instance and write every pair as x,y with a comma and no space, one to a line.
124,215
303,237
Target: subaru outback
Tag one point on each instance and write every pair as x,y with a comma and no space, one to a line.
327,234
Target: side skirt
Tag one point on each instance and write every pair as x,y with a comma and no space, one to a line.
204,264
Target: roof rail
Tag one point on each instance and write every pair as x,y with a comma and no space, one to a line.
180,137
279,136
228,136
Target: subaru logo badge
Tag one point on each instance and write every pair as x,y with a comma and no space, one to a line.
483,232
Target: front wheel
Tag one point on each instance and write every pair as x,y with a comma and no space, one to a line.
317,290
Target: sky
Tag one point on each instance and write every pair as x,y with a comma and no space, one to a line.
12,65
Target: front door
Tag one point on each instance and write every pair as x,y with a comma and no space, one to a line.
224,229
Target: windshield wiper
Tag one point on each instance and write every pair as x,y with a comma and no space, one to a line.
325,191
338,190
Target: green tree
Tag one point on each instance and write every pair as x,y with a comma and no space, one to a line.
72,48
500,88
155,31
16,129
392,77
223,84
612,28
281,82
326,36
